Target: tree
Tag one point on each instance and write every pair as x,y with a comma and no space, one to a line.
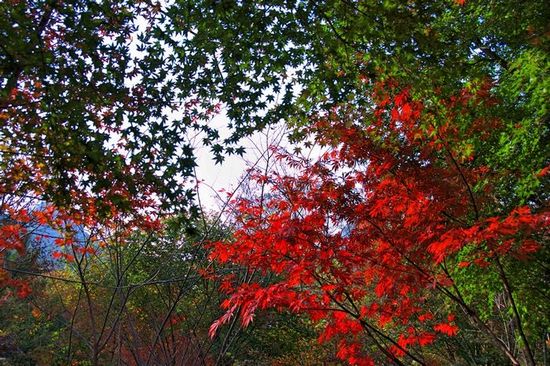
141,298
79,114
74,74
399,215
63,68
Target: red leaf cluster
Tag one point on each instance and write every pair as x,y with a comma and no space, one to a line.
361,237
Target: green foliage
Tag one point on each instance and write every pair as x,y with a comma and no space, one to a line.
29,336
150,72
154,299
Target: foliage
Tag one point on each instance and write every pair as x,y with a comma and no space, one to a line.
419,237
75,73
327,48
387,221
139,298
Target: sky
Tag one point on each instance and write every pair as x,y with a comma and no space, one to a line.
217,180
226,176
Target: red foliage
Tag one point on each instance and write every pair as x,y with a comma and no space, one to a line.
362,237
26,215
446,328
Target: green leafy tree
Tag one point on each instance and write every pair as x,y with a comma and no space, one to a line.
72,74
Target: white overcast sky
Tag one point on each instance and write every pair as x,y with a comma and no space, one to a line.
227,175
219,179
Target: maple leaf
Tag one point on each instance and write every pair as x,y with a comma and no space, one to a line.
406,112
426,339
446,328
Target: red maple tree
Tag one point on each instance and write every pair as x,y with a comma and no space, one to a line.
363,238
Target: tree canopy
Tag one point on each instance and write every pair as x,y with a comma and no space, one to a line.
77,72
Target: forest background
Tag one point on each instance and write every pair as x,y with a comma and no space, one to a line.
415,233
